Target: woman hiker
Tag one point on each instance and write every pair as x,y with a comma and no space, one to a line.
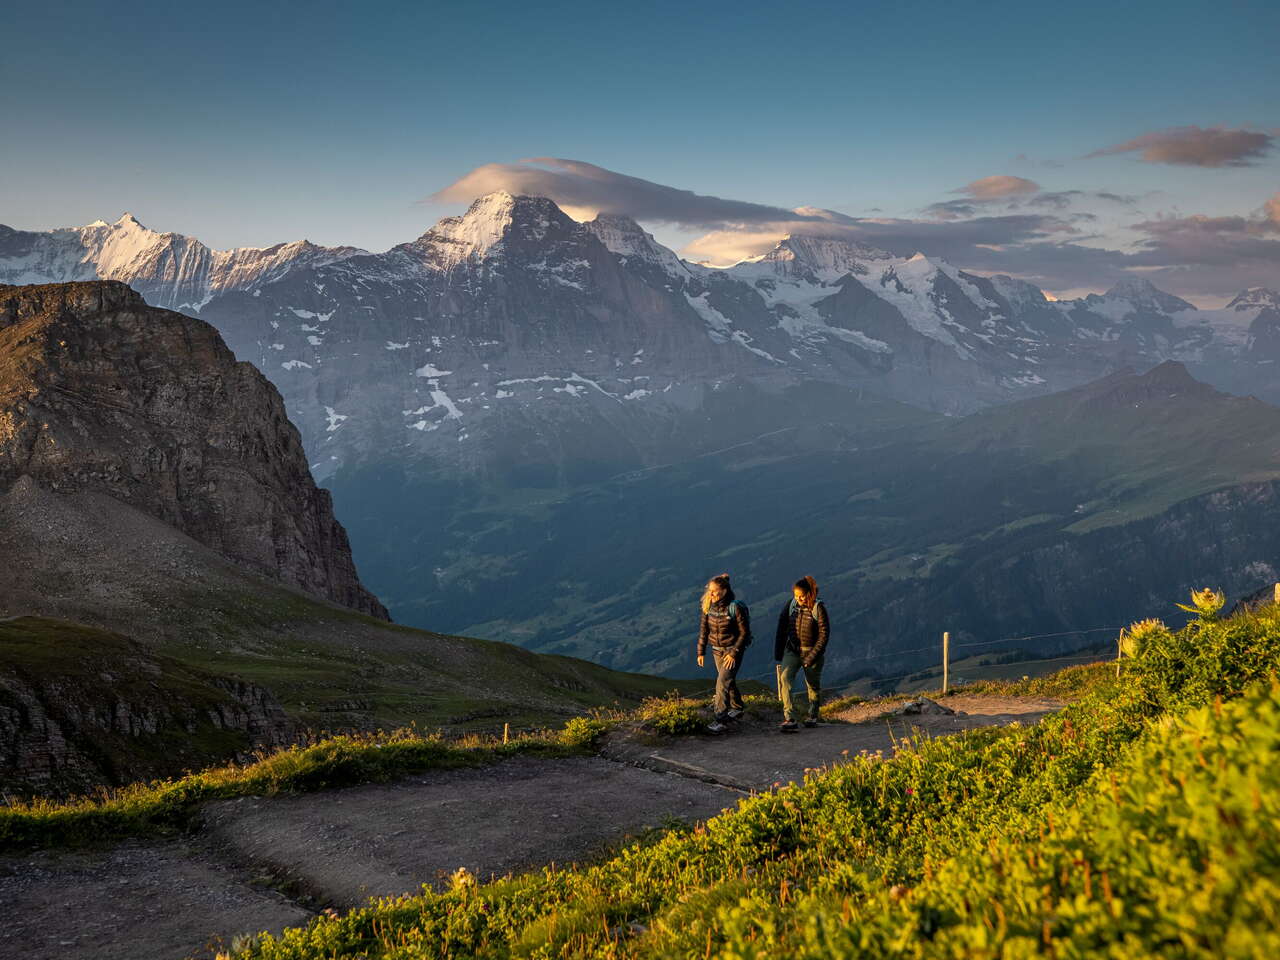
725,624
801,641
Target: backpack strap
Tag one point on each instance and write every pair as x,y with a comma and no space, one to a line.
813,610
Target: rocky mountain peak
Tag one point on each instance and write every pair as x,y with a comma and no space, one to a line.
490,223
1017,292
1141,292
1162,381
1255,297
623,236
101,393
831,256
1130,287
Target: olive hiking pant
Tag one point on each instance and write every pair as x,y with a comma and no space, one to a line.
791,665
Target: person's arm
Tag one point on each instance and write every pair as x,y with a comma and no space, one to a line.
702,636
780,638
744,627
824,631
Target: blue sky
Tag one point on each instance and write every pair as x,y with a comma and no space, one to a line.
249,124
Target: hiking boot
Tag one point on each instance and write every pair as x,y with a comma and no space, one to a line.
789,726
715,726
735,713
811,722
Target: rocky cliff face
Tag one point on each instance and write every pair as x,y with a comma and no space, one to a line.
101,392
81,707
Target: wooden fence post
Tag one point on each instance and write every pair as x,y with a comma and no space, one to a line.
946,661
506,732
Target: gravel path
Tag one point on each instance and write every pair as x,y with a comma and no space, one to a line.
136,901
348,845
165,899
754,755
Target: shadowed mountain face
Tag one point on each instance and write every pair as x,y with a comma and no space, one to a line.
1054,515
100,392
551,432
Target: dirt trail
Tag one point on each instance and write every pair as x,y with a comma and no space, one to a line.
755,755
349,845
138,900
160,900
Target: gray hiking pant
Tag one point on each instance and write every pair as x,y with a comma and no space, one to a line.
727,695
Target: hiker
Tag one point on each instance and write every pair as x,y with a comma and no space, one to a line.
801,641
726,625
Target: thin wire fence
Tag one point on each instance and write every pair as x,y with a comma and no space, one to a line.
960,646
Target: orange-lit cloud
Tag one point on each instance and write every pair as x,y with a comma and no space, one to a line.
1197,147
998,187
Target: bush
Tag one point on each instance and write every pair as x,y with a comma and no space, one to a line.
672,715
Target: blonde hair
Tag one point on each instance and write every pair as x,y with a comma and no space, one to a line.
721,580
809,587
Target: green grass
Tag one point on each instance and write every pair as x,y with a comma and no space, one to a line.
328,762
332,671
332,762
674,715
1140,822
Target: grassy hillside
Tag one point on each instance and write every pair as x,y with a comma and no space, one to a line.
1142,821
94,561
121,712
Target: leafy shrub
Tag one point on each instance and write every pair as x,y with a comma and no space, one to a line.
672,715
583,732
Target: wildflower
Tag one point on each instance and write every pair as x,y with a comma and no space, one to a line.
461,879
1206,603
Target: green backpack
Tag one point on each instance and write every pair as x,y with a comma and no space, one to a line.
734,607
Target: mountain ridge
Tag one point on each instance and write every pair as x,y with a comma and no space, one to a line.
200,441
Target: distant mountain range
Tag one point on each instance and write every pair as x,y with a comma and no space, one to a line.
487,319
469,395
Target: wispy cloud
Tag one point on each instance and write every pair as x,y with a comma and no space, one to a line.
1197,147
586,189
1001,224
998,187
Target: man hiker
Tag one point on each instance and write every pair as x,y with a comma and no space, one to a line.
800,643
725,625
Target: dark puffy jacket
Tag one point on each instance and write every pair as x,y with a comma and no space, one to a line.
802,632
728,634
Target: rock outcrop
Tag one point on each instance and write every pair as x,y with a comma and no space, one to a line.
100,392
82,708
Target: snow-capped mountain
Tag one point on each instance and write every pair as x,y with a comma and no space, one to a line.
513,332
454,390
168,269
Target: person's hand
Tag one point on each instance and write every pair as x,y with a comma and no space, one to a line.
701,660
728,663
